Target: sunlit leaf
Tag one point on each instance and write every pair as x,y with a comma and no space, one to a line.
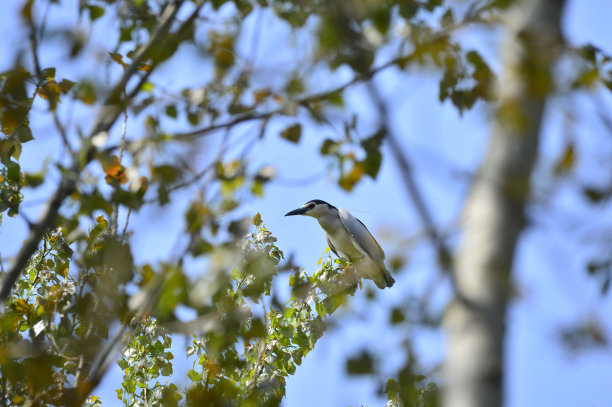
115,172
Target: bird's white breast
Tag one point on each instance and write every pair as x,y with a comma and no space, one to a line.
340,237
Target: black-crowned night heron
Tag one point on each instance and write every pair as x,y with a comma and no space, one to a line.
349,238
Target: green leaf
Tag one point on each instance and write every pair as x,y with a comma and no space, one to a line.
33,180
371,164
595,195
166,173
381,17
408,9
86,92
193,375
361,364
328,146
166,370
23,134
256,219
95,12
257,329
48,74
301,339
392,389
13,173
320,307
66,85
448,18
397,316
373,142
335,98
292,133
148,87
431,5
171,111
123,364
295,85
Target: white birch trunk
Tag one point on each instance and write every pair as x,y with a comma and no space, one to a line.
494,211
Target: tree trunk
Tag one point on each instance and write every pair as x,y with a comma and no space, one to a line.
494,211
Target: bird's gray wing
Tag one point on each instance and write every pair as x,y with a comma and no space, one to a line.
331,246
362,236
365,242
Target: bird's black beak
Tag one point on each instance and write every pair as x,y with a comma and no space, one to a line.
298,211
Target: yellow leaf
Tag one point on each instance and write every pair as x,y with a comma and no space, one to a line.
22,306
101,221
118,58
115,172
50,90
260,95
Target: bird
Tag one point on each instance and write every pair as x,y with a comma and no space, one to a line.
348,237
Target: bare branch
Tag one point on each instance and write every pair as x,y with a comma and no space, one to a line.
231,123
414,192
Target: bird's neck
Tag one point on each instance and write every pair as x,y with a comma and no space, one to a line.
330,222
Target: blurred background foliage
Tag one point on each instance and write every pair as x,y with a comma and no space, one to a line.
76,301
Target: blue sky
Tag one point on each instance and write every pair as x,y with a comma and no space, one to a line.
444,147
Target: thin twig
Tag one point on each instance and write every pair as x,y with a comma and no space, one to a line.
62,132
261,351
237,120
415,194
58,350
127,221
79,377
38,70
115,219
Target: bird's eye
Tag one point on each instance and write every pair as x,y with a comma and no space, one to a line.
311,205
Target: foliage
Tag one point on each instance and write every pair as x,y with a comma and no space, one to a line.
242,355
59,319
129,135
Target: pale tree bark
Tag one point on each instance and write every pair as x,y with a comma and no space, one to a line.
493,216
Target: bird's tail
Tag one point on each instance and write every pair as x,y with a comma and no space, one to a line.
385,280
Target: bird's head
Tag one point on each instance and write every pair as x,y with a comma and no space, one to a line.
315,208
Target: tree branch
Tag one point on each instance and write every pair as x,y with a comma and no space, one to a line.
493,214
414,192
37,231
